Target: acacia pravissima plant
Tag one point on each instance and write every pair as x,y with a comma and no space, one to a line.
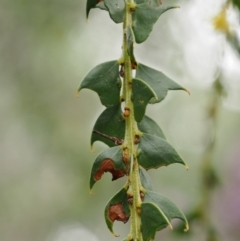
136,143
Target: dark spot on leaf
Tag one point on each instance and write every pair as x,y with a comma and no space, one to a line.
116,212
108,166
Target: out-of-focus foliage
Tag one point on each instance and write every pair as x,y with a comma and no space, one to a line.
221,23
237,3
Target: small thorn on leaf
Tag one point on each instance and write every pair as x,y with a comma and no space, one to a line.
91,148
187,228
77,93
186,166
91,192
187,91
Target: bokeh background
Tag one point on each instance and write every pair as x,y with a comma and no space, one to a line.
46,48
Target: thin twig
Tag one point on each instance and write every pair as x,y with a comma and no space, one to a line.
112,138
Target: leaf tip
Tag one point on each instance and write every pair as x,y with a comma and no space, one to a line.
187,91
91,192
176,7
115,235
91,148
186,166
186,228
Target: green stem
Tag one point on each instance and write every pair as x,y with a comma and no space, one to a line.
129,145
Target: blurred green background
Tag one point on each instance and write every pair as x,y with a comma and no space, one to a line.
46,48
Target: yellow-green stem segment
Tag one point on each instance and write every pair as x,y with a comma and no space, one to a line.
129,143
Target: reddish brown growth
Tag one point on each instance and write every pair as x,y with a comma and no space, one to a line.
108,166
126,157
100,1
116,212
121,72
134,65
130,200
139,210
137,139
126,112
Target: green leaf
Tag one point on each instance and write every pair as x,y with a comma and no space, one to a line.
116,9
141,94
109,160
104,79
94,4
145,179
144,17
101,6
152,221
157,213
149,126
158,81
110,123
130,42
155,152
117,209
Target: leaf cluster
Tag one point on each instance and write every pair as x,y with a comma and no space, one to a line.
149,86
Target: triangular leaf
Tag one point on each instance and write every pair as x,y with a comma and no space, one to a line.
117,209
104,79
149,126
141,94
116,9
94,4
157,80
130,42
145,179
144,17
169,209
157,213
110,123
109,160
155,152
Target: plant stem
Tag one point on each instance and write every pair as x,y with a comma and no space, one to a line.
209,177
129,145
